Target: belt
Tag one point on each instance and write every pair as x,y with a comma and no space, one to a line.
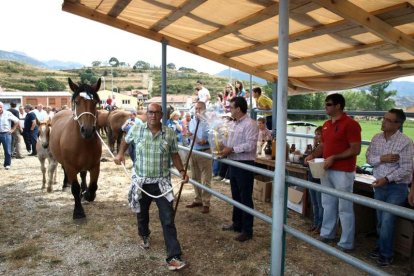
4,132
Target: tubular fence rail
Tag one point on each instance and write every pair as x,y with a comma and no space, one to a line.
362,200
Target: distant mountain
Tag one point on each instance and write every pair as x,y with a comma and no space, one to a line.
51,64
21,57
239,75
60,65
404,88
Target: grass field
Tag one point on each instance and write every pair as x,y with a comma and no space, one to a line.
369,129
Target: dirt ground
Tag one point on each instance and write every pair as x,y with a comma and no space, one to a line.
39,237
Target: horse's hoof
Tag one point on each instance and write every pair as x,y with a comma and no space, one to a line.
79,215
49,189
89,196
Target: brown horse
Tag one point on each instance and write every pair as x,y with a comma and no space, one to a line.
102,122
75,144
116,119
43,153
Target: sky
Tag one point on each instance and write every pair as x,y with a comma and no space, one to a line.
43,31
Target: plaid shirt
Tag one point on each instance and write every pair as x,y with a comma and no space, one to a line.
153,153
399,172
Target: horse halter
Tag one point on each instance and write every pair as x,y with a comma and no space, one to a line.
76,116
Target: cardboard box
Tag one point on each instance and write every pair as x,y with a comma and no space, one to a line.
295,199
262,188
404,237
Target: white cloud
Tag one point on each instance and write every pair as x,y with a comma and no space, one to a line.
42,30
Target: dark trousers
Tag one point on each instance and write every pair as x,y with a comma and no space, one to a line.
223,172
30,138
241,182
131,152
165,210
269,122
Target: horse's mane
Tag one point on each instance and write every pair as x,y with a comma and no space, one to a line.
83,87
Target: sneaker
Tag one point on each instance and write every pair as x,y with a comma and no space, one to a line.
175,264
218,178
345,250
384,261
227,181
7,167
145,243
374,254
325,240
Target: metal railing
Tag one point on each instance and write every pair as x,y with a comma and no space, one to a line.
362,200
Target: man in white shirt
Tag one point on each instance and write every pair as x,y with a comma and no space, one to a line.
203,93
6,130
41,114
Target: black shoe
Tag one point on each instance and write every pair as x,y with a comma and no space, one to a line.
374,254
243,237
325,240
384,261
345,250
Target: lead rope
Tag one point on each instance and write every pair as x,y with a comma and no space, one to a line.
129,176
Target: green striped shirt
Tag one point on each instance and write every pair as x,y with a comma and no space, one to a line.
153,153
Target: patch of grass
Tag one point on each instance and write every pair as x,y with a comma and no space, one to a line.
369,129
25,251
84,263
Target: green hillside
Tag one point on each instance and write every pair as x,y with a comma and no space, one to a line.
16,76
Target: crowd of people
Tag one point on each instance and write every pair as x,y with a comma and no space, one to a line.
153,148
338,141
21,121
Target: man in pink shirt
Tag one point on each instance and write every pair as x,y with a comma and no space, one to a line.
241,146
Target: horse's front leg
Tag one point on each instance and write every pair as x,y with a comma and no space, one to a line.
83,181
66,181
78,212
51,174
43,168
90,192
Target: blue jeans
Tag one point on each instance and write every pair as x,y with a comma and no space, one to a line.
216,167
316,200
6,141
241,182
393,193
165,211
332,206
131,152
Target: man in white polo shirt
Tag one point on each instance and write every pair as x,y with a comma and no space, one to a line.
6,130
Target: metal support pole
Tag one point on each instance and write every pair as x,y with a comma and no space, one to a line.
164,44
274,107
112,82
277,247
252,113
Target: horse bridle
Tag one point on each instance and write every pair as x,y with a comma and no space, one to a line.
76,116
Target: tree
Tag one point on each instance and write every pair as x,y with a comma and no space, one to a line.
381,99
88,76
356,100
41,86
171,66
96,63
114,62
140,64
50,84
